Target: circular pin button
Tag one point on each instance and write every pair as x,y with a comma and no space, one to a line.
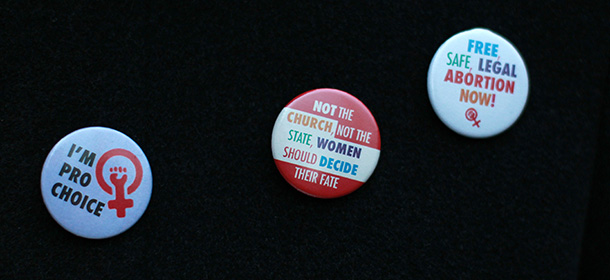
96,182
326,143
478,83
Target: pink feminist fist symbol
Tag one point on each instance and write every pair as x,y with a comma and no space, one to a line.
120,204
471,115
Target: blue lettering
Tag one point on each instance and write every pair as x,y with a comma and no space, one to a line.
323,161
322,142
338,165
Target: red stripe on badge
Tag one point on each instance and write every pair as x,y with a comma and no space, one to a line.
356,123
316,183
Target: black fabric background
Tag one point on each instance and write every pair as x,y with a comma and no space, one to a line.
199,86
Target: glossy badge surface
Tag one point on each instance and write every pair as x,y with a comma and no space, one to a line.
326,143
96,182
478,83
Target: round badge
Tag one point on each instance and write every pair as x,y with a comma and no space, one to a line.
96,182
478,83
326,143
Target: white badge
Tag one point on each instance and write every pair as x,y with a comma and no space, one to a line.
96,182
478,83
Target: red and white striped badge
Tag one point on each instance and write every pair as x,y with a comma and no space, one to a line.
326,143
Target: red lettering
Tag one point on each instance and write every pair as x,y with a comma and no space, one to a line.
449,76
477,81
458,77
